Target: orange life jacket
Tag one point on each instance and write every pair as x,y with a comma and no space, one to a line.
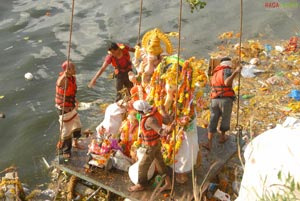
115,62
70,93
151,137
218,88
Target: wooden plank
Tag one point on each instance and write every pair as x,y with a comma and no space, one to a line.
117,181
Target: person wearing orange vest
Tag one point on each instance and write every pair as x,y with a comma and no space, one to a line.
222,97
152,131
119,58
66,103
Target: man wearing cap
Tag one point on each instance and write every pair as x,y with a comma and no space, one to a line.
66,103
222,97
119,57
151,127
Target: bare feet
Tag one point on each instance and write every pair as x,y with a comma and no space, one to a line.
136,188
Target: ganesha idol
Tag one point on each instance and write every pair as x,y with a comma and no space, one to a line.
150,54
180,97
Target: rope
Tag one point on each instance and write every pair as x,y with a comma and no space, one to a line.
176,94
238,127
66,80
140,22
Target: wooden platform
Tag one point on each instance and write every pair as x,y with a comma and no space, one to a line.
117,181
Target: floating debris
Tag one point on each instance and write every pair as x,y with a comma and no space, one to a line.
28,76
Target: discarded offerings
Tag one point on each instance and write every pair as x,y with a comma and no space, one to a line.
10,186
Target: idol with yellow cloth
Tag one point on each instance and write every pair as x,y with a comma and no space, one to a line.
150,54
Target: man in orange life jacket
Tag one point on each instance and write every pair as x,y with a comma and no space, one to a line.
66,107
152,131
119,58
222,97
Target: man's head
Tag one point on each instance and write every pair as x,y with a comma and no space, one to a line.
226,61
113,48
69,68
142,106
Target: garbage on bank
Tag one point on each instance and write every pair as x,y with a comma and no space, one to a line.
269,94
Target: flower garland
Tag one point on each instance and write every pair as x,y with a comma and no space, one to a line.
129,134
190,77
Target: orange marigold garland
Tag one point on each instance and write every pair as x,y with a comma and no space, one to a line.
191,80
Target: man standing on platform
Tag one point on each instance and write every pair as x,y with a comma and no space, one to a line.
152,131
222,97
66,104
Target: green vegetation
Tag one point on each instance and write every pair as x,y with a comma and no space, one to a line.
289,190
196,4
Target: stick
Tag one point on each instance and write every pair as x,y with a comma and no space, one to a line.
46,163
94,193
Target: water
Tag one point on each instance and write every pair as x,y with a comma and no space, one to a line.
34,38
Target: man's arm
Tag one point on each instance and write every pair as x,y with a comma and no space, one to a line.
98,74
131,49
228,81
167,118
152,123
61,80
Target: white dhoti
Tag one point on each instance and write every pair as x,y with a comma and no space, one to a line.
71,123
186,156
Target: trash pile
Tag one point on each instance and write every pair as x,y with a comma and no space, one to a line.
269,94
270,83
11,188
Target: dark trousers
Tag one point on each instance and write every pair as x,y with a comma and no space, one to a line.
152,153
122,82
66,145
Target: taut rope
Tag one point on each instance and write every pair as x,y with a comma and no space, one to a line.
66,80
140,22
176,94
239,127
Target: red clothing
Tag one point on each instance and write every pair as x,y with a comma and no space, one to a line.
151,137
122,64
218,87
70,93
